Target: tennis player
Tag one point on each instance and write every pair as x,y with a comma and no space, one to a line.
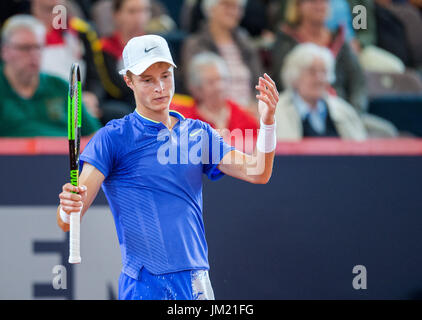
147,164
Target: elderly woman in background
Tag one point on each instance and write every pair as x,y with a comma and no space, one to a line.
207,76
306,22
221,34
305,108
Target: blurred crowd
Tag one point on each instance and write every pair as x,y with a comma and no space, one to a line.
344,68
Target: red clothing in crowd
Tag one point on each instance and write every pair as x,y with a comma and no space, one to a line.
238,119
113,45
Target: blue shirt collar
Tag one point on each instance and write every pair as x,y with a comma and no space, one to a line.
150,122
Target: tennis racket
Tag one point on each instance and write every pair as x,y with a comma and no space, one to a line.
74,136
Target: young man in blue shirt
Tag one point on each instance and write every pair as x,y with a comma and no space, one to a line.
150,165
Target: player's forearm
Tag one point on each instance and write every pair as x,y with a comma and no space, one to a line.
262,170
256,168
264,151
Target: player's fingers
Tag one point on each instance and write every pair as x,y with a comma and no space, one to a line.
69,209
70,196
264,99
266,92
266,85
71,203
268,78
270,84
82,189
70,188
270,89
263,86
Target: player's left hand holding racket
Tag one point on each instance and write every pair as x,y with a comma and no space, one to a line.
73,195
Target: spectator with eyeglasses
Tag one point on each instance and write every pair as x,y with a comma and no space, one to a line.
32,103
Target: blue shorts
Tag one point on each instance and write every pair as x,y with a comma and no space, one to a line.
183,285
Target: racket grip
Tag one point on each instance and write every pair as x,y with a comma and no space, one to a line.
75,238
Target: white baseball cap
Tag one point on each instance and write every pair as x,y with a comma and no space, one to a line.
141,52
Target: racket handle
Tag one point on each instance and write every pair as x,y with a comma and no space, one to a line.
75,238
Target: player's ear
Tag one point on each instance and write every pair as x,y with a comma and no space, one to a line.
128,80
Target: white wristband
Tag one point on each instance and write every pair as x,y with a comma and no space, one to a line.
267,140
64,216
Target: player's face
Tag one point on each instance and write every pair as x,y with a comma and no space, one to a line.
22,53
154,88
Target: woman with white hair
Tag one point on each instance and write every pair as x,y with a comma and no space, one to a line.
305,108
221,34
305,21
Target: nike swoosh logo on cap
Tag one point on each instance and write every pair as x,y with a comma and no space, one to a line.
148,50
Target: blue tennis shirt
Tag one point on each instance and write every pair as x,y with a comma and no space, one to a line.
153,184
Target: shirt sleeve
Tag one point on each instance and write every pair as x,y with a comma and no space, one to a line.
99,152
218,148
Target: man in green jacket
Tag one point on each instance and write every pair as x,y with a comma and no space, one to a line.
32,103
